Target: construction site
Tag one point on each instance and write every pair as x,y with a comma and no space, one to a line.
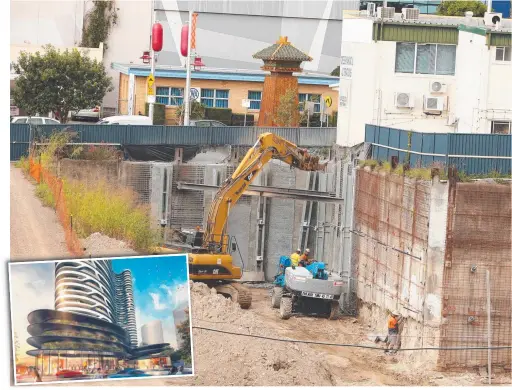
422,248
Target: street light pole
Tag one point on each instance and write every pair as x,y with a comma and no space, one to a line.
186,118
151,99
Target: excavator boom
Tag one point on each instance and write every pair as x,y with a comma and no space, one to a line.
213,264
269,146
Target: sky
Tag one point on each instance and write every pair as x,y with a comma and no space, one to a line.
159,285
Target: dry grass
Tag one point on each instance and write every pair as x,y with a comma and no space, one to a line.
425,173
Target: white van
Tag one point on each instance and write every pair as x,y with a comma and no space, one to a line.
126,120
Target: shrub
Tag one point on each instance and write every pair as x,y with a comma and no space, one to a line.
158,113
219,114
113,213
44,193
23,163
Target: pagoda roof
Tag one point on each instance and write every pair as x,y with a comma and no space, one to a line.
282,50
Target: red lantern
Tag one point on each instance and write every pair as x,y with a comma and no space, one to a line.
157,37
197,64
184,41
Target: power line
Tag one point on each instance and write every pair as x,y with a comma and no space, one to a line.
346,345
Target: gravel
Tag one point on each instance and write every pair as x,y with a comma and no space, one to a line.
36,233
99,245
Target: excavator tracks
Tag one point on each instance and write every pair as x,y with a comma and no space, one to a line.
237,292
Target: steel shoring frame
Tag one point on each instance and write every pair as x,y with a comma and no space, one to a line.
269,192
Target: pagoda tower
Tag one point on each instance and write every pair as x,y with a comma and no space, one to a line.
281,59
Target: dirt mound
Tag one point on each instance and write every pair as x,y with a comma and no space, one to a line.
98,245
225,360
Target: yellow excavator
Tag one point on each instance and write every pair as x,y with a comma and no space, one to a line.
210,259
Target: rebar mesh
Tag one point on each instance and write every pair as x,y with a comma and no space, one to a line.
479,240
137,176
187,206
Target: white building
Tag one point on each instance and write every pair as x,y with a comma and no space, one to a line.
152,333
426,73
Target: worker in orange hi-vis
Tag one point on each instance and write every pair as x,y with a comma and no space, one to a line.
393,329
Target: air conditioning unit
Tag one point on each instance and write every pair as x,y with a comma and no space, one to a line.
386,12
437,87
434,103
371,9
410,13
492,18
404,100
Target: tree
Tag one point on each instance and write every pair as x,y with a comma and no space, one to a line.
184,332
288,110
458,8
16,347
98,23
197,111
59,82
336,71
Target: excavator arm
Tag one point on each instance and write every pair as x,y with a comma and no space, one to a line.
269,146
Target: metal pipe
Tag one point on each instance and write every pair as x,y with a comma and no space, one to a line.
186,117
152,98
489,5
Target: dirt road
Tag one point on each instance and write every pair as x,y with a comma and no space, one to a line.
36,234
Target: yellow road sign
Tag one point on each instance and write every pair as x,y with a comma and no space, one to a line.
150,91
328,101
151,80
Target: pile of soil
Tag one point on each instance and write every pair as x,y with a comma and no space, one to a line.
99,245
228,360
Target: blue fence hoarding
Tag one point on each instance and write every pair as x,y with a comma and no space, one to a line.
469,153
23,134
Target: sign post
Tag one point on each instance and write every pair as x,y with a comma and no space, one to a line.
246,103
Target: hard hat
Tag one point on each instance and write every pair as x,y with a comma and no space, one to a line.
307,250
298,250
395,313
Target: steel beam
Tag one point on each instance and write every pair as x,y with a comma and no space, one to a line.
269,192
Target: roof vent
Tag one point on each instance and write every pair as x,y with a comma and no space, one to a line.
410,13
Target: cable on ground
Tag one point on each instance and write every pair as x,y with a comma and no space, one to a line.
345,345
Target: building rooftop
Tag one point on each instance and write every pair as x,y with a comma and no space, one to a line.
207,73
433,20
282,50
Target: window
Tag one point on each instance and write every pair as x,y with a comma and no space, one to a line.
500,127
255,100
217,98
20,120
503,53
425,58
310,97
36,121
169,96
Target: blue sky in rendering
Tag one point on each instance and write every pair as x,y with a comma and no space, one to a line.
159,287
159,283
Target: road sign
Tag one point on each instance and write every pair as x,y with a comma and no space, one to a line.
328,101
151,91
195,93
246,103
151,80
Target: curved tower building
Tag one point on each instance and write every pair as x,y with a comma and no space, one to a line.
125,305
86,287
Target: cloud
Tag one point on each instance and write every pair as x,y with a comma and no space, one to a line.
32,288
156,302
177,294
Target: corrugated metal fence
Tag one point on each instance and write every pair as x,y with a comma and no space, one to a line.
470,153
22,134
